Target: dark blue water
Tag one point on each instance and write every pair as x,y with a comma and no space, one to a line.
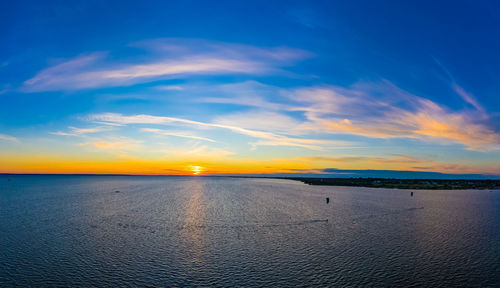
198,231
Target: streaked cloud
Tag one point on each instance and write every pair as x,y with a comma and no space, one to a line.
383,110
64,75
373,110
193,46
169,58
260,120
176,134
466,96
74,131
248,93
469,98
369,109
4,137
107,145
266,138
311,144
169,88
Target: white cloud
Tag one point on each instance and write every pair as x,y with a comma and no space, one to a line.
266,138
74,131
384,111
176,134
248,93
178,58
169,88
4,137
469,98
260,120
374,110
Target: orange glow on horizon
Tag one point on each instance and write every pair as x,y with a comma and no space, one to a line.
71,164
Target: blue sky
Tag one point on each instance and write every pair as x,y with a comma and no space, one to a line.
249,86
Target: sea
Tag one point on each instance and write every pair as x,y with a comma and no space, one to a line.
175,231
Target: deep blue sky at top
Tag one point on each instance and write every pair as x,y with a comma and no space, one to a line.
361,39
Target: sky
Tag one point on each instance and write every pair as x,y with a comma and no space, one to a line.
249,87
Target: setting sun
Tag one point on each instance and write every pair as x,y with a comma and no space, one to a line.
196,169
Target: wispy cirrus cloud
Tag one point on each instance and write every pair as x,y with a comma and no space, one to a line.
194,46
74,131
62,76
260,120
4,137
117,146
368,109
381,110
176,134
466,96
469,98
168,58
169,88
384,111
248,93
266,138
373,110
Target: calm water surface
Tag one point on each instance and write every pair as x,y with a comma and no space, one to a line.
199,231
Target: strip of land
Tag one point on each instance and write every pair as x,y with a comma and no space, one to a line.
428,184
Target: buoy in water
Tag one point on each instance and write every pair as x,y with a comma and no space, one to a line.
411,194
327,200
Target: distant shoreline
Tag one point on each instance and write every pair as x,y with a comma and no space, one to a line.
390,183
416,184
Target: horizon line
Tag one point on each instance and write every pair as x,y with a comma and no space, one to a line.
291,176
